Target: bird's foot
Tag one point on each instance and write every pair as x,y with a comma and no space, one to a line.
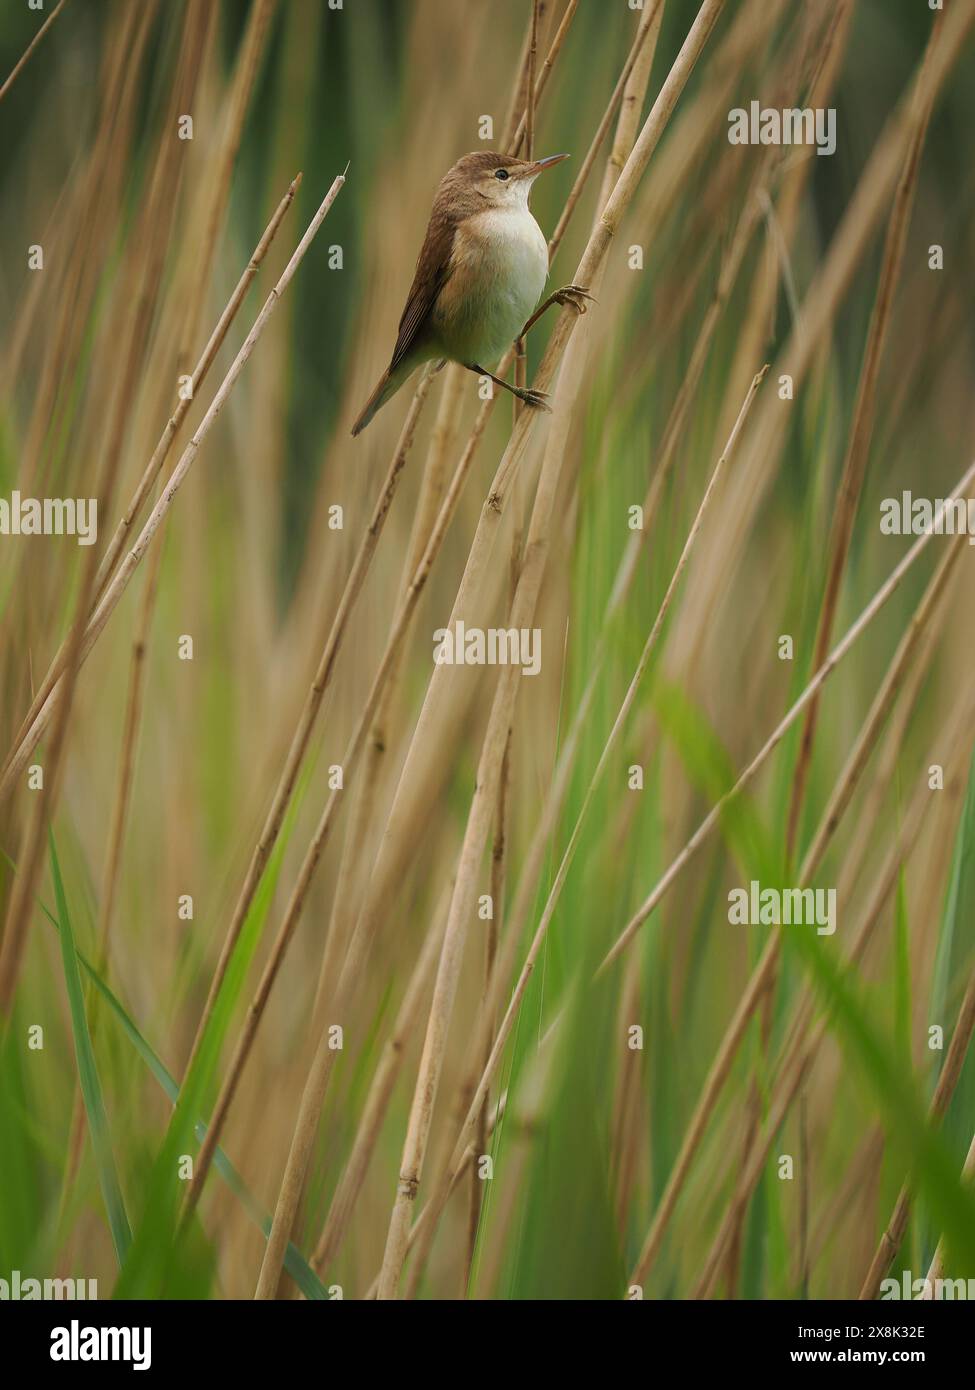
575,296
538,400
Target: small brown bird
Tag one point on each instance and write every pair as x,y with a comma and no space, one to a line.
480,273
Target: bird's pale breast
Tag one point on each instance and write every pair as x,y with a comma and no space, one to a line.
499,264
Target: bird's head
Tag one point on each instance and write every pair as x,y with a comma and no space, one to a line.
497,180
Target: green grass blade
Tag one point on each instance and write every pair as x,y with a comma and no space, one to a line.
934,1171
956,939
155,1264
902,974
295,1263
91,1090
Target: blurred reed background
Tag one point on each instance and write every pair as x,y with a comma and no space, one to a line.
621,1161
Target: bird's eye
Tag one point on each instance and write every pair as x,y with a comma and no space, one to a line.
501,174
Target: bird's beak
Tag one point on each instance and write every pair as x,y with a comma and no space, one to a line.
534,169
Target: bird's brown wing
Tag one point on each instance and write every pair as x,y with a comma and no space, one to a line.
432,270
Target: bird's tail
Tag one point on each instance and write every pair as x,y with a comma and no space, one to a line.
388,384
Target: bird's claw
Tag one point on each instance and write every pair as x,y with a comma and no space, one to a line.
576,296
538,400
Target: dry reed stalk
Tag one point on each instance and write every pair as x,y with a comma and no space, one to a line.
530,83
499,845
516,102
495,738
629,1118
822,674
854,472
855,232
802,1262
116,834
801,1046
637,678
90,219
936,1268
817,77
335,941
631,107
151,472
358,944
130,732
863,1164
377,1101
346,897
518,993
628,567
926,625
798,1051
617,159
158,214
475,582
622,585
485,535
218,189
123,574
338,943
318,1077
498,883
523,1118
839,801
250,54
321,681
24,58
363,814
861,431
498,877
527,149
316,846
497,887
419,1231
21,906
87,221
649,23
515,143
860,842
955,1057
94,222
492,935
